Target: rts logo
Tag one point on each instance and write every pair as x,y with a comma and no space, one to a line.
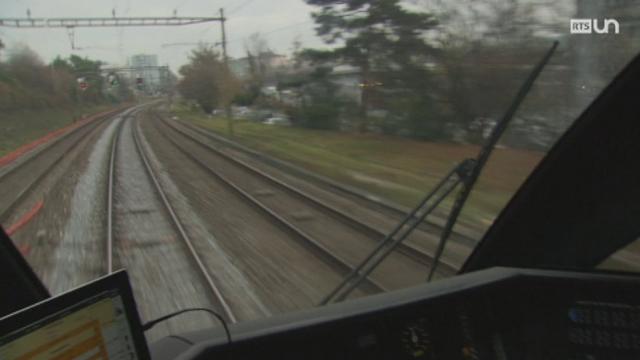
587,26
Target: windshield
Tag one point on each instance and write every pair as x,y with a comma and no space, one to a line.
247,156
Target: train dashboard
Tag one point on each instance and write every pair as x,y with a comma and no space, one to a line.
500,313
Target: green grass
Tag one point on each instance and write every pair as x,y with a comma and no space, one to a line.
399,169
21,127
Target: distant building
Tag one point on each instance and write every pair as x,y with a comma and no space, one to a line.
268,63
348,78
142,60
240,67
145,66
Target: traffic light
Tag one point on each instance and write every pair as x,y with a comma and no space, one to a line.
139,82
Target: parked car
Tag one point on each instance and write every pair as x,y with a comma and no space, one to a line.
277,120
260,115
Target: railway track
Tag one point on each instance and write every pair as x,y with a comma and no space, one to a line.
339,214
145,233
464,235
402,269
319,249
14,189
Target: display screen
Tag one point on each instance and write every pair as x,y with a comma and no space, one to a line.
97,328
595,327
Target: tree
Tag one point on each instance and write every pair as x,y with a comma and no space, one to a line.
320,105
258,53
200,76
27,67
379,37
206,80
296,51
89,70
483,45
86,69
63,80
27,82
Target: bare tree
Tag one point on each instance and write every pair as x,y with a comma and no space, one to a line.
498,21
483,47
26,66
258,53
206,81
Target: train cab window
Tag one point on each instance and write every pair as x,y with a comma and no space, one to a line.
258,158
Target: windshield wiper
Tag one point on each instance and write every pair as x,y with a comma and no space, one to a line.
465,173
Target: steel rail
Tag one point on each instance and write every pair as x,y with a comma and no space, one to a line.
327,255
89,127
407,249
229,314
110,194
461,238
39,150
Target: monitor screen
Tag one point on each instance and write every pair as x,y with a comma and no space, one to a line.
94,328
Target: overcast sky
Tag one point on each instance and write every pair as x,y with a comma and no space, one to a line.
280,21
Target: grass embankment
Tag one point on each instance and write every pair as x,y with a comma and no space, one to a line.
399,169
21,127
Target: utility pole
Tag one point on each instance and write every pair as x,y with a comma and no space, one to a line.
224,36
225,59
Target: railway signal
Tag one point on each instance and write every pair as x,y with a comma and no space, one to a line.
113,80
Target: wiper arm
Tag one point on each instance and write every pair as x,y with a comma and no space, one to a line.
465,173
484,154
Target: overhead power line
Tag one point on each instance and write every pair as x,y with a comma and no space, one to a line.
190,44
71,23
275,30
104,21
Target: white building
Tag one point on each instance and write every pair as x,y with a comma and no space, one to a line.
267,63
145,66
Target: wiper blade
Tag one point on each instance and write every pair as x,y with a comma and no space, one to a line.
465,173
484,154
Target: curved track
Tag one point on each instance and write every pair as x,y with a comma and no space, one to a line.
341,215
357,212
147,236
13,187
463,235
336,239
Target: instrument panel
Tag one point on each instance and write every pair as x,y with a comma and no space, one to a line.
493,314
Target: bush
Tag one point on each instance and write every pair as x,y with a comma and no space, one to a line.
248,96
26,82
321,115
425,125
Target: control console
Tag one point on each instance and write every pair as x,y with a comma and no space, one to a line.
501,313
